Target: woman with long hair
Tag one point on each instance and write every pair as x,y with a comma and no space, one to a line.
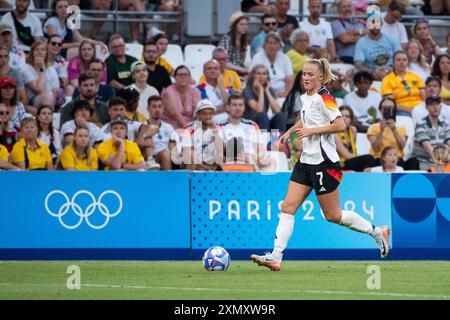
292,105
346,144
79,155
422,33
260,99
29,153
56,23
236,42
38,74
441,69
46,132
417,62
318,167
80,64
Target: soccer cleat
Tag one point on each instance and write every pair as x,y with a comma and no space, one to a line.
383,241
266,261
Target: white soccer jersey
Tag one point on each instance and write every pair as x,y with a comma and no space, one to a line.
247,130
163,137
318,111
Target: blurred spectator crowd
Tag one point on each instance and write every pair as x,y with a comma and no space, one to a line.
69,101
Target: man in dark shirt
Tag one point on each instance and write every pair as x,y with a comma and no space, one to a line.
88,91
105,92
158,76
286,23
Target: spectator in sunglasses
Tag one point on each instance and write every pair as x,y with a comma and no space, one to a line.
8,134
405,87
268,23
57,61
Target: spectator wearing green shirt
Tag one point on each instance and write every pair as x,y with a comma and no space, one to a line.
118,63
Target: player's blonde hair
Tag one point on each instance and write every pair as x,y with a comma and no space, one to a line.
325,69
442,154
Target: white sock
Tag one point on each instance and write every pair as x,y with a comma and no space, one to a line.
354,221
283,234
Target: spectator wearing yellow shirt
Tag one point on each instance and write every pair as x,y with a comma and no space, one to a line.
118,153
405,87
229,78
79,156
387,133
300,43
29,153
4,160
162,42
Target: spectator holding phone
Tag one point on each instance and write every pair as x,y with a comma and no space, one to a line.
387,133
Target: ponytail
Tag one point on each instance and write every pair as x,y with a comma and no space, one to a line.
325,69
328,74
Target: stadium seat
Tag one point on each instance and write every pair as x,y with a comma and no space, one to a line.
198,53
134,50
408,124
56,120
100,54
196,70
279,162
362,144
195,55
174,55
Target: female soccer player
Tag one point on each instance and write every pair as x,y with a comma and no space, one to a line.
318,166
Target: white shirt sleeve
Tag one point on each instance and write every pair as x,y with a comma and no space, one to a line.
330,108
328,30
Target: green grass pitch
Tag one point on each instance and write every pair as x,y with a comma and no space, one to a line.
243,280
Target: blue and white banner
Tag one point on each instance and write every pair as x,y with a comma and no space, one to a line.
240,211
421,210
94,210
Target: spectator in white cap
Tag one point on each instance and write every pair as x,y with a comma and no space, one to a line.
236,42
156,138
139,74
213,89
201,139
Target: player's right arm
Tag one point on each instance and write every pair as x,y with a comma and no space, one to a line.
285,137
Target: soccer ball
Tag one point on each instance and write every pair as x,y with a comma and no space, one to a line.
216,259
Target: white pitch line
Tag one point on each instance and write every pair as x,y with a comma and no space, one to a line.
391,294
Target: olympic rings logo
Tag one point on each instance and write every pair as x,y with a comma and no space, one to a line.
89,210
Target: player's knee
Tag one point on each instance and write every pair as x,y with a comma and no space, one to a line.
333,218
288,208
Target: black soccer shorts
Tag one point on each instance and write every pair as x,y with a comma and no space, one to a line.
324,177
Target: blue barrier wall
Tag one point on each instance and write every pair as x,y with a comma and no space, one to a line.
177,215
421,214
100,214
240,211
